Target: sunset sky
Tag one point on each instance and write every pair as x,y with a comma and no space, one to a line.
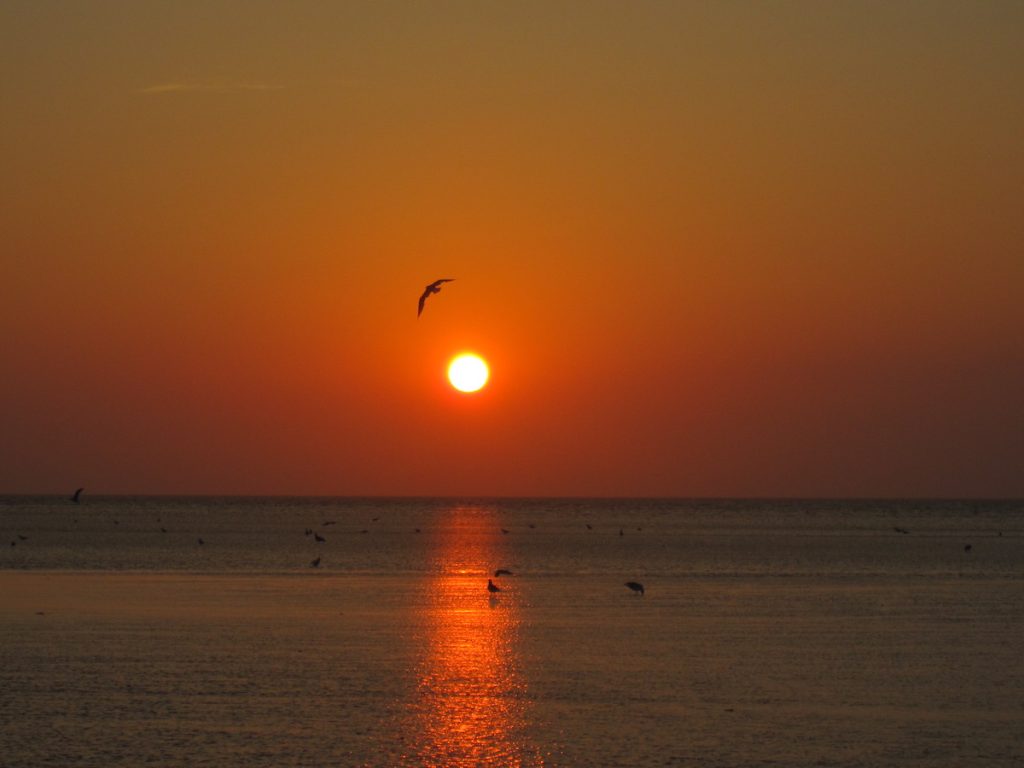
708,249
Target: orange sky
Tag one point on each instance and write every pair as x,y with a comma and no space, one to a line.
709,249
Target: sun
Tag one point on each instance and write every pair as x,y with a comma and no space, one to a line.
468,372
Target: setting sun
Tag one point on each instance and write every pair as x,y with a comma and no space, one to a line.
468,372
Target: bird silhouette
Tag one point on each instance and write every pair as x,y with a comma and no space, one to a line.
315,563
502,572
318,537
76,496
434,287
492,587
636,586
201,542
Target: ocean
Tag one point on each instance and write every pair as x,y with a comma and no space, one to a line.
169,631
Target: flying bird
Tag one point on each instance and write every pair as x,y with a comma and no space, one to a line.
77,494
318,537
503,572
434,287
492,587
636,586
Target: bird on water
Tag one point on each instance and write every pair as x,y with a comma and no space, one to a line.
492,587
434,287
315,563
76,496
636,586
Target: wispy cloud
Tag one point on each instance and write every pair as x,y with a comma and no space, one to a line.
210,86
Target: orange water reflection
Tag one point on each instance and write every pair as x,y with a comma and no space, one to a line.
471,694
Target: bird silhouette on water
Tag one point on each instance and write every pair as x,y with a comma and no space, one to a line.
492,587
76,497
315,563
636,586
318,537
434,287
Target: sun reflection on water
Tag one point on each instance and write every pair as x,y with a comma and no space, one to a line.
471,694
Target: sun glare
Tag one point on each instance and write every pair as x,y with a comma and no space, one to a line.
468,372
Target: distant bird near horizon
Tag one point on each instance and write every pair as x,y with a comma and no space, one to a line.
967,547
315,563
636,586
492,587
502,572
900,530
434,287
318,537
76,496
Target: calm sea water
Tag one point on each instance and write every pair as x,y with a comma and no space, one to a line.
784,633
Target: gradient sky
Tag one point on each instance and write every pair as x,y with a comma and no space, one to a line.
709,249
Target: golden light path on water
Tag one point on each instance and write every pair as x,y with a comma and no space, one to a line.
471,693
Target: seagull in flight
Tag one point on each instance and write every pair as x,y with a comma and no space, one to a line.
434,287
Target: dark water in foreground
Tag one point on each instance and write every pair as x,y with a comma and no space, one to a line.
771,633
